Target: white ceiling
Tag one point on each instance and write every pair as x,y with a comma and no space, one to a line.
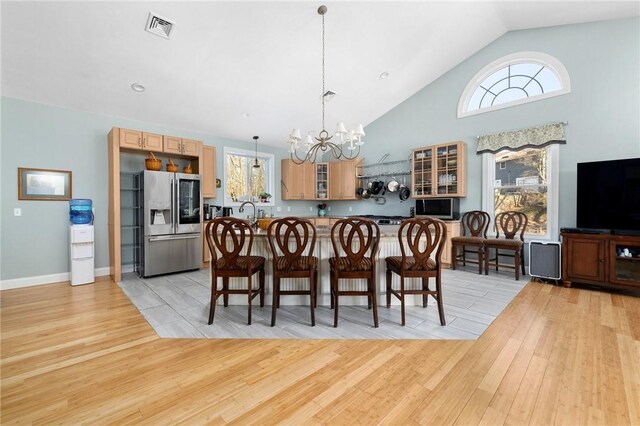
227,59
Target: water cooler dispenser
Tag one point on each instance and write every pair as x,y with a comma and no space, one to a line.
82,254
81,242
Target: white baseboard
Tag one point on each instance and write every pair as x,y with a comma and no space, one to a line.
44,279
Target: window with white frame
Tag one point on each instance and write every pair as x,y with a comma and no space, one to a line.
243,181
513,80
528,184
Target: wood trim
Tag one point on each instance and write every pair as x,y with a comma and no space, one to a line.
208,171
115,255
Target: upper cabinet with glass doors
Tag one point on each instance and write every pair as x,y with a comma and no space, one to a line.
439,171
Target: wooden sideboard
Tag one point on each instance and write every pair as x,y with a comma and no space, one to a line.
600,259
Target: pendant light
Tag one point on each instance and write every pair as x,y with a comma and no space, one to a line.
256,165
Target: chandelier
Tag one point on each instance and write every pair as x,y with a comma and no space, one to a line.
347,144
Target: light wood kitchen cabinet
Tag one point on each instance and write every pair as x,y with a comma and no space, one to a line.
298,180
181,146
342,180
208,173
439,171
131,141
140,140
453,230
322,181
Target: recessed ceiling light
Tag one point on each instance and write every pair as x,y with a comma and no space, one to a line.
137,87
246,115
384,75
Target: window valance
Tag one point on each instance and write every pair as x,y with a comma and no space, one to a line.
532,137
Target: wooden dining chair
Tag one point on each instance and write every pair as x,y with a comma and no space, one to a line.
228,237
358,239
474,226
510,224
424,238
292,241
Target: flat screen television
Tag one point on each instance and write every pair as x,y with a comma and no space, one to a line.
609,195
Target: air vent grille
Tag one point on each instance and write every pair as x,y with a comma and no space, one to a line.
159,26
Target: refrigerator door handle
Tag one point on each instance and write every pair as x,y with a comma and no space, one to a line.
173,206
173,237
176,224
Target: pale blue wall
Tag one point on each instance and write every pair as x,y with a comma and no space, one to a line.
603,111
48,137
603,108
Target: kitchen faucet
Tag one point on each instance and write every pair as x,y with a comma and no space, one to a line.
255,219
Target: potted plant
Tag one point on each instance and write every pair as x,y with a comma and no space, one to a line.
322,209
264,197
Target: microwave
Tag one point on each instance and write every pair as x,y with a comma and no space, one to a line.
441,208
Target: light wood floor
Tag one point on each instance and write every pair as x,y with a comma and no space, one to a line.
85,355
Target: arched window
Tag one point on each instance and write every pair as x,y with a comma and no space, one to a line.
513,80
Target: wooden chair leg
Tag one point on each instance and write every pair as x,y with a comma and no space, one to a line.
464,255
372,289
225,288
274,307
261,278
331,300
389,278
315,291
439,300
312,297
454,254
249,299
425,287
516,259
480,259
334,284
402,299
369,300
214,298
487,254
497,258
522,261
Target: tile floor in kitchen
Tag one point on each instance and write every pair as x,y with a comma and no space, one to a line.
177,306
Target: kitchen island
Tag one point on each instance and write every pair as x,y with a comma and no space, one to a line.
389,246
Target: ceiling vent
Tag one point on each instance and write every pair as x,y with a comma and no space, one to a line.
159,26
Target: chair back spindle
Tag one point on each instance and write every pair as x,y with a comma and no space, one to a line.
292,237
476,223
510,224
358,238
413,233
228,236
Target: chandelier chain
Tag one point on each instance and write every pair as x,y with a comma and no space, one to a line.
323,89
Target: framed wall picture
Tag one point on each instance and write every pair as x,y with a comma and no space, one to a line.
43,184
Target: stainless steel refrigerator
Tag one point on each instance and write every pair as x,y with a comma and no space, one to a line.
171,214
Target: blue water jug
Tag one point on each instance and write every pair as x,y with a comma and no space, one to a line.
80,211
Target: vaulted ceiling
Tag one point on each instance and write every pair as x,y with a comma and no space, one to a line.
236,68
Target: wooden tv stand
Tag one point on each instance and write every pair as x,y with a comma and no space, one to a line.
597,259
